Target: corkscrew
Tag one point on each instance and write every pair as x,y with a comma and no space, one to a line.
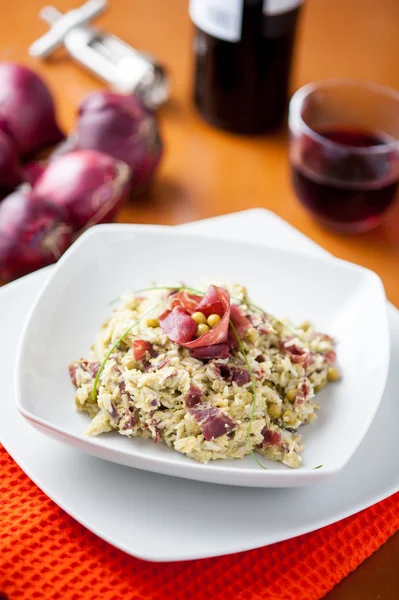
124,68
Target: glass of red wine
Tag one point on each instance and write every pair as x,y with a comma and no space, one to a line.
344,152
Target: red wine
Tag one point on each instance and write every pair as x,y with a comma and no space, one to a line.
243,53
342,187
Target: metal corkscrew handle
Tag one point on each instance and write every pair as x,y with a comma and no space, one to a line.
124,68
61,24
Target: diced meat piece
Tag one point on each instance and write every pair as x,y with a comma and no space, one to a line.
212,421
129,420
85,365
122,389
162,363
210,352
222,371
114,412
259,374
325,338
157,366
240,376
193,396
297,354
330,357
184,300
211,303
153,429
303,391
72,372
270,437
141,348
228,374
264,330
93,368
131,423
304,387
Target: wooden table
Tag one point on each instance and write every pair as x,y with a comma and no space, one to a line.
207,172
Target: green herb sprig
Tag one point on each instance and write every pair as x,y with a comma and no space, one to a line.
162,287
118,341
242,350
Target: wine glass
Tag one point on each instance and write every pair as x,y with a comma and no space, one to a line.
344,151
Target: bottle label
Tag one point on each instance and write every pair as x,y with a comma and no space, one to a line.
220,18
278,7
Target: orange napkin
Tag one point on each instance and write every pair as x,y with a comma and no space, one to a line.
47,555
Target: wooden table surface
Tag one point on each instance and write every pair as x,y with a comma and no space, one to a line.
207,172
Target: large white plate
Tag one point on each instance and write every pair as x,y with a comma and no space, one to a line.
337,296
162,518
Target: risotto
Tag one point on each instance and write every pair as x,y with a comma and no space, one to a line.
206,372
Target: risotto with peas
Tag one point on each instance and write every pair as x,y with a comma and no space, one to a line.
205,371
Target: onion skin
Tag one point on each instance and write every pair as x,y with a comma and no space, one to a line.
120,125
33,234
10,171
32,170
89,185
27,106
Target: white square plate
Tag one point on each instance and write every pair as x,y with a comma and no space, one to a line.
86,487
342,299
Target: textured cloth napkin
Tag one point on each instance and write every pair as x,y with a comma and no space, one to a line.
45,554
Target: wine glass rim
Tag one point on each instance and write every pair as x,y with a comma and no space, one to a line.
296,120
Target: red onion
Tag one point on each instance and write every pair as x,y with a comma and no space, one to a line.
10,172
124,128
32,234
28,107
90,185
32,170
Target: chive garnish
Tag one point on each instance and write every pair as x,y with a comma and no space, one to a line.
118,341
318,467
242,350
163,287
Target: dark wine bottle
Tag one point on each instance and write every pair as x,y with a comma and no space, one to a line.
243,54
